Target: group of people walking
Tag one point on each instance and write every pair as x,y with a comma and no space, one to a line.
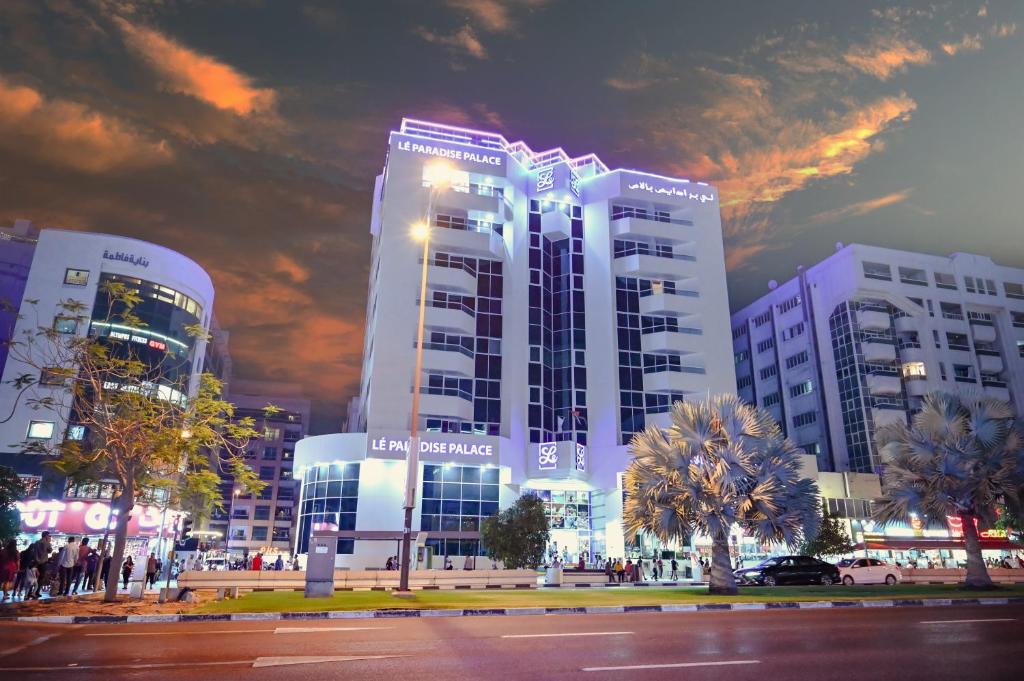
619,572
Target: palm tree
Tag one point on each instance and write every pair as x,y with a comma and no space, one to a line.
960,458
721,463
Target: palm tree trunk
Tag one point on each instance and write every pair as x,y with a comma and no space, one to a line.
125,499
977,573
722,580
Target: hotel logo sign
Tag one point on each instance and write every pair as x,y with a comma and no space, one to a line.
547,456
453,154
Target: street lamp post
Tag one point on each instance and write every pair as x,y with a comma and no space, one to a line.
439,175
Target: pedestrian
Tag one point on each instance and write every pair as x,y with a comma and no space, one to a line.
126,570
469,563
66,563
620,570
674,575
581,565
1020,561
629,570
257,562
151,570
78,573
388,565
295,563
9,563
638,571
105,569
32,587
661,569
448,563
279,563
609,570
91,562
41,550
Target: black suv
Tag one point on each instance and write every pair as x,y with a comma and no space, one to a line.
789,570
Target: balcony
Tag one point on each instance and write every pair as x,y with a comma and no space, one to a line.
450,319
448,362
878,352
556,224
669,303
907,324
918,387
990,364
883,417
664,231
446,405
999,392
873,320
451,279
686,381
463,241
654,267
983,333
662,420
670,341
884,385
493,204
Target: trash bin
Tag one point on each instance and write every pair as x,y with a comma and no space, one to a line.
554,576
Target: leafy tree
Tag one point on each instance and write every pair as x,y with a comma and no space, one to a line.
960,457
11,490
721,463
146,425
517,536
831,539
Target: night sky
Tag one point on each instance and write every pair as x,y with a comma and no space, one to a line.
247,134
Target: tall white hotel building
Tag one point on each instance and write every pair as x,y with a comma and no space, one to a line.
858,339
568,306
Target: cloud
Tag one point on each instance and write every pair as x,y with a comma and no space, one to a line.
887,56
859,208
462,41
969,43
642,71
494,16
1003,30
197,75
285,264
72,135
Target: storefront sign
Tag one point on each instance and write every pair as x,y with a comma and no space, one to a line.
91,517
435,447
956,529
129,258
444,152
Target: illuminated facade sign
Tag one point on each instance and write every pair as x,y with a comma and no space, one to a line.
672,191
546,179
119,256
85,517
432,447
547,456
581,457
453,154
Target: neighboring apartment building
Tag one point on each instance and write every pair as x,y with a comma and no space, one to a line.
857,340
265,521
68,265
569,305
17,246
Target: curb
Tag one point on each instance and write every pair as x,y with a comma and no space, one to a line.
489,612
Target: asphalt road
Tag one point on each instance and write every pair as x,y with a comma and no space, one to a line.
968,643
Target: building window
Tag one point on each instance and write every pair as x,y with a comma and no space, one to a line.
285,494
271,433
262,512
762,319
766,345
963,373
65,325
797,359
283,513
739,332
31,483
90,490
793,331
267,493
282,534
957,341
73,277
346,547
912,275
746,381
1020,348
801,388
771,399
1017,319
259,534
877,270
951,311
240,513
980,286
53,376
270,453
330,496
805,419
1015,291
787,305
457,498
237,534
914,371
946,281
769,371
268,473
741,356
812,448
40,430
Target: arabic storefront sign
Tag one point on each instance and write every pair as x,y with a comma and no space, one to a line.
129,258
956,529
453,154
91,517
432,447
695,195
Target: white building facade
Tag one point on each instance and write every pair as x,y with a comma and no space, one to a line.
568,306
73,266
858,340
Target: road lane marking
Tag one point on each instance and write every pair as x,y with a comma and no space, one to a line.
187,632
34,642
998,619
258,662
313,630
675,665
572,633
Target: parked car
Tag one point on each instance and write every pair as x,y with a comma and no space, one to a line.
868,571
789,570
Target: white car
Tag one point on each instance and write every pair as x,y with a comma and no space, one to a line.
868,571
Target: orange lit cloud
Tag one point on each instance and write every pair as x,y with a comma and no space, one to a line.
70,134
284,264
859,208
463,40
1004,30
969,43
887,56
190,73
494,16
